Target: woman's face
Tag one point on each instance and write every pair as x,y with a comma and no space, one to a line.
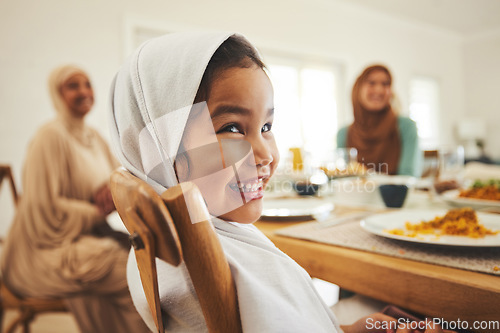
233,171
78,95
375,92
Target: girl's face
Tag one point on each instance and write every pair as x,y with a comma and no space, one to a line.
233,171
375,92
78,95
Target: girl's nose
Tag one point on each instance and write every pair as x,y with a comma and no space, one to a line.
262,152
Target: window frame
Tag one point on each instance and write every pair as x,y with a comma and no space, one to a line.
301,61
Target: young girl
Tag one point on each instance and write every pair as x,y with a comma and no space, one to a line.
199,107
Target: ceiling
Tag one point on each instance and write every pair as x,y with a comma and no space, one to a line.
464,17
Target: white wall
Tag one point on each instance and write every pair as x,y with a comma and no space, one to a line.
482,85
36,36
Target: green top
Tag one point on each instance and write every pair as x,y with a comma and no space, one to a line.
410,161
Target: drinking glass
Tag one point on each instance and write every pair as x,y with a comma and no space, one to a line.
338,160
451,168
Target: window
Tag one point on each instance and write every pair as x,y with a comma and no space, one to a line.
424,110
306,102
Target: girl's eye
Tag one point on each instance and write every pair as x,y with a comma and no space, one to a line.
230,128
267,127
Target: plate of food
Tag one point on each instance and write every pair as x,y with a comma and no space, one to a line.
456,227
479,195
306,208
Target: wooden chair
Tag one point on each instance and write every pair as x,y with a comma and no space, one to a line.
6,173
161,227
28,308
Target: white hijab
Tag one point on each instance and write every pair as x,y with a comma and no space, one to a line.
158,84
152,96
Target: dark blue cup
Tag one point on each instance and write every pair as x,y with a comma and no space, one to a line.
393,195
306,188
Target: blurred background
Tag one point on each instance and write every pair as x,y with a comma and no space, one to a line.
444,56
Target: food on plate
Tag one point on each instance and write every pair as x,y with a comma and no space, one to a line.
456,222
352,169
489,190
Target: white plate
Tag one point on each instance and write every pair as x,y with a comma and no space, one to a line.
452,198
378,224
306,208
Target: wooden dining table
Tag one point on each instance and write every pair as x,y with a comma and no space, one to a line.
436,291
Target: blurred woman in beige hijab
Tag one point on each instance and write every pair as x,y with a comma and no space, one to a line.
59,244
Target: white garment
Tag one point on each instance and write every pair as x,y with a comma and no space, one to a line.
151,99
158,82
275,294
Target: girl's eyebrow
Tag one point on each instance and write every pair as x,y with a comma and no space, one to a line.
231,109
234,109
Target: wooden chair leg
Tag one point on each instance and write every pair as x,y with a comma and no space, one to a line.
1,317
13,325
25,317
28,316
26,327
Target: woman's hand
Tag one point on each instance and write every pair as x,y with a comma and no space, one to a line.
104,200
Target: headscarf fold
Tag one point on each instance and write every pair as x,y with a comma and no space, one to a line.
374,134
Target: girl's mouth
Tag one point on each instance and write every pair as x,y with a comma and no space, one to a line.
248,186
250,189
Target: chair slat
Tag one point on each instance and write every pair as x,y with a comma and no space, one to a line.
205,258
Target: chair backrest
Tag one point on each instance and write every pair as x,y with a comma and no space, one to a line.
6,173
161,227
